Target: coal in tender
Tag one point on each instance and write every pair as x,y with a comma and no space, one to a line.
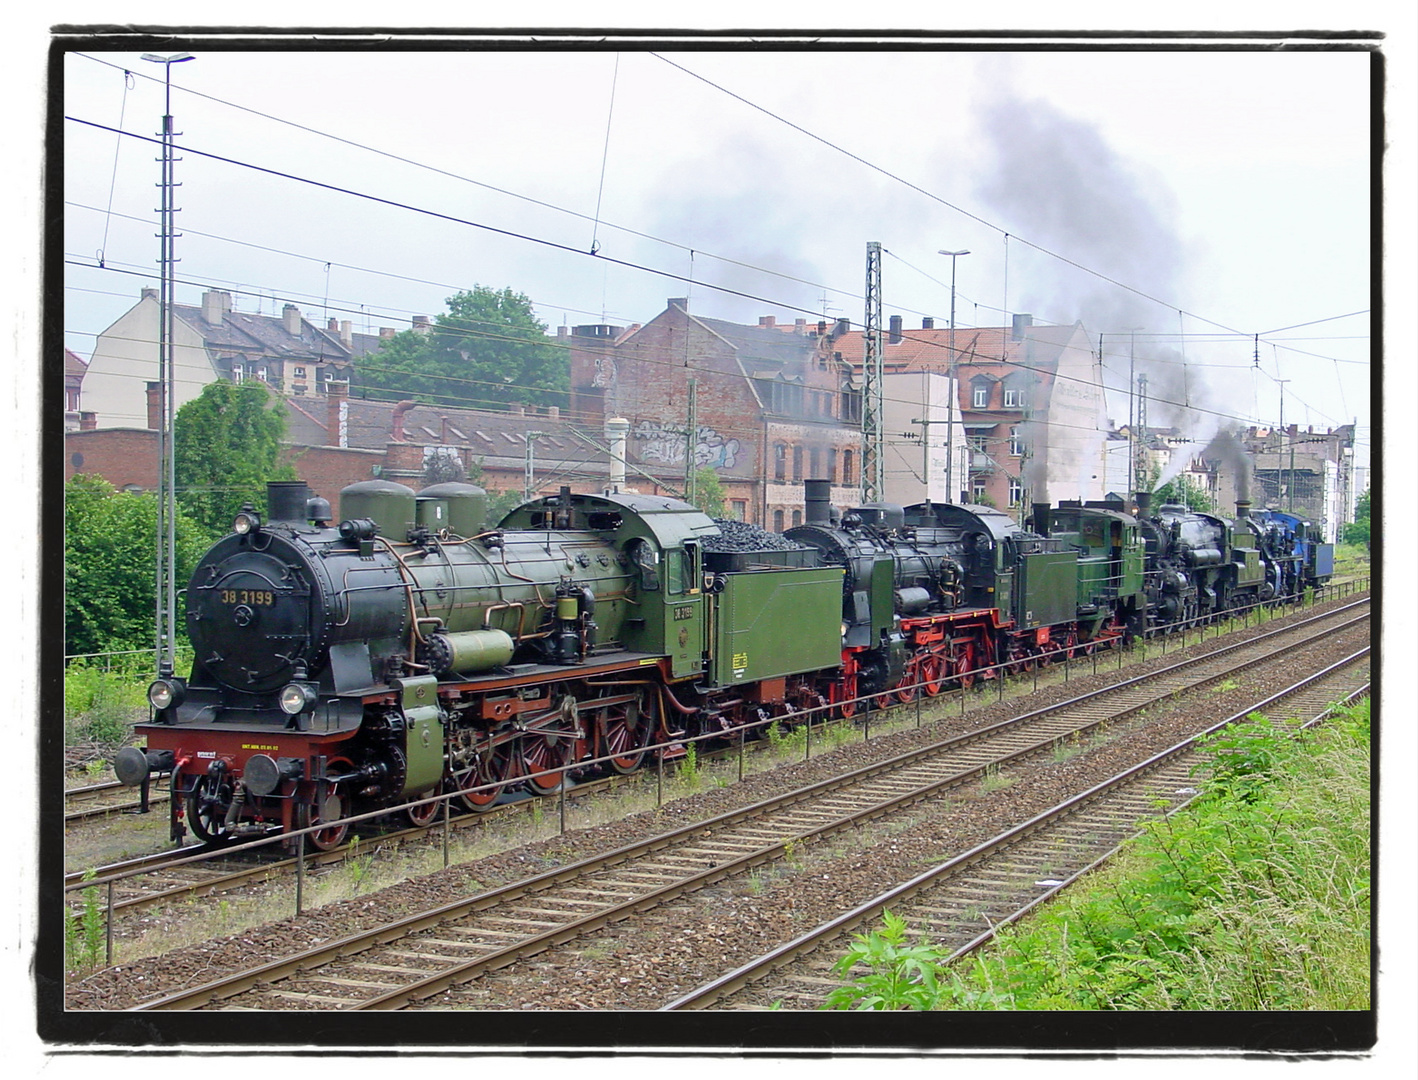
744,536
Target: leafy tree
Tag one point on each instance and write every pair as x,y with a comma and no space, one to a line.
1182,490
1358,530
109,565
709,492
489,350
227,445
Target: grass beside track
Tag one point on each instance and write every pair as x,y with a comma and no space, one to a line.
1256,897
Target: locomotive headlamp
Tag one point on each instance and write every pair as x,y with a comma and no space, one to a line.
166,693
248,521
297,697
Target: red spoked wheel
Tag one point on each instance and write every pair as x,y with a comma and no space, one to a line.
934,670
419,816
487,768
332,808
964,667
625,730
542,753
847,704
910,682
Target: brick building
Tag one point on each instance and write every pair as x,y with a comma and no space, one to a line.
1029,402
772,404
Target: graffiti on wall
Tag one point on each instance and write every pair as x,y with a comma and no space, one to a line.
660,442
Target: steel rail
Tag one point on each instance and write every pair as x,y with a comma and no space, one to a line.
775,959
528,945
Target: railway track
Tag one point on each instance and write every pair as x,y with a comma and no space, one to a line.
93,801
962,904
419,957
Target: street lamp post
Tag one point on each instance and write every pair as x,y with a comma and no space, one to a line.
166,599
950,399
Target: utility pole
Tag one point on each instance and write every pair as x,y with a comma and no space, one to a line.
165,623
1142,426
1280,452
1132,410
873,464
950,495
690,441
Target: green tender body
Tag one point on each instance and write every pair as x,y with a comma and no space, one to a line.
1046,591
769,623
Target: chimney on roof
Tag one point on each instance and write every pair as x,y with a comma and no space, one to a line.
1021,324
290,319
148,294
767,321
347,334
681,302
88,421
799,326
386,332
927,323
215,304
337,422
155,406
894,338
422,324
398,419
843,325
553,412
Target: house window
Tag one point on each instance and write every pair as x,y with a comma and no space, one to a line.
978,490
738,509
832,465
777,521
797,518
980,396
780,462
1016,492
299,373
797,464
1016,442
847,467
814,462
977,443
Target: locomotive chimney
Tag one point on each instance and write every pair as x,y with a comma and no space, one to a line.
1143,501
1040,513
1243,508
616,430
286,499
817,502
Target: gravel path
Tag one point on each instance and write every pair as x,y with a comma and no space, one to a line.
643,964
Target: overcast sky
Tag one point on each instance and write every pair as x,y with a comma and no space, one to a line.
1202,196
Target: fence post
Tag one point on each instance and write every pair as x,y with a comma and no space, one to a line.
108,929
564,779
660,779
741,736
300,873
447,825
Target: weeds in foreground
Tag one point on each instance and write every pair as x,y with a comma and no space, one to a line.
84,937
1254,898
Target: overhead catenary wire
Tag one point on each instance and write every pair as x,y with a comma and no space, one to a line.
636,266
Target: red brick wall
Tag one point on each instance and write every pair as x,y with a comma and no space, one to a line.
122,456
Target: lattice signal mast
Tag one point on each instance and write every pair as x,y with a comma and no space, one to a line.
873,458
